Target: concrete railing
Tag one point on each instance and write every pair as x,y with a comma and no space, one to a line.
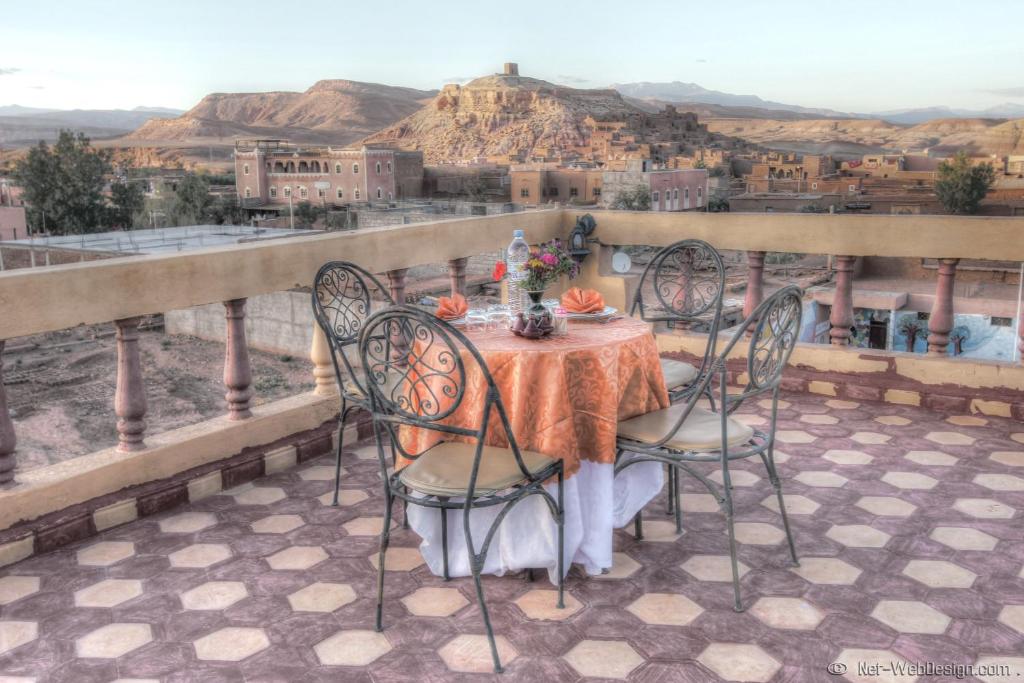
121,290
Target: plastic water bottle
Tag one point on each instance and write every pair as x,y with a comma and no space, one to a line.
518,254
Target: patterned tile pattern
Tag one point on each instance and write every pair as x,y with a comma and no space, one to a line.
910,526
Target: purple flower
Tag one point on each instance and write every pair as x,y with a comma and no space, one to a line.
549,259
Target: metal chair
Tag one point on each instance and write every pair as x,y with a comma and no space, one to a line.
342,301
416,376
687,282
685,434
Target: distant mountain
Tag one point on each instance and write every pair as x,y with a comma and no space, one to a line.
18,110
1007,110
678,92
28,125
331,111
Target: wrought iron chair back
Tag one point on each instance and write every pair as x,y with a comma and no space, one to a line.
342,301
687,283
415,366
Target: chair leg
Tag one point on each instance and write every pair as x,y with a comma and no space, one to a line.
561,540
638,526
405,511
477,567
337,455
676,500
670,503
384,539
444,539
773,477
738,605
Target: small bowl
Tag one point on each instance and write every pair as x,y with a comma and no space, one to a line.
543,326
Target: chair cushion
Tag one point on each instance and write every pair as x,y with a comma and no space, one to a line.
677,373
444,469
702,430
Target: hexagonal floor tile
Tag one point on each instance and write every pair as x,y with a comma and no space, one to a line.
346,497
105,553
736,662
983,508
816,419
827,571
199,555
108,593
872,666
1010,458
277,524
541,604
787,613
436,602
469,653
113,640
910,480
794,436
231,644
297,557
950,438
858,536
886,506
758,533
698,502
932,458
17,633
322,597
750,419
967,420
398,559
364,526
665,609
659,531
911,616
766,403
841,457
603,658
961,538
737,477
1000,482
821,479
17,587
260,495
623,567
892,420
1013,616
214,595
712,568
187,522
870,437
841,405
366,452
940,574
795,505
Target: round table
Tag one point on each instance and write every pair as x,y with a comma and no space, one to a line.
564,397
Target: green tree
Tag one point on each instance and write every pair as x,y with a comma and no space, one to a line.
126,200
226,209
636,198
63,184
962,185
306,214
191,200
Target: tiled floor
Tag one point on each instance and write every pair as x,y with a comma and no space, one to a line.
909,525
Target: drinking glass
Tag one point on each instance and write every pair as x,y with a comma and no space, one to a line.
476,319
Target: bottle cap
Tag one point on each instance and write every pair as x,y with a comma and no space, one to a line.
517,233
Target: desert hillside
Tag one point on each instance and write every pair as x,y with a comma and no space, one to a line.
499,115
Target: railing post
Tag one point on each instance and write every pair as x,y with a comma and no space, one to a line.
940,322
8,440
396,283
130,395
841,318
323,369
237,370
457,275
755,282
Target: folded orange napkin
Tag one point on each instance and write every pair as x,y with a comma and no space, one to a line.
452,308
578,300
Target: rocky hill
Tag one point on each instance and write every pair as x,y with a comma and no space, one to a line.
332,111
498,115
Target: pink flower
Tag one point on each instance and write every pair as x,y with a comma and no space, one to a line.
549,259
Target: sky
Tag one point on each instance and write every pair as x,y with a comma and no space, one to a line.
855,56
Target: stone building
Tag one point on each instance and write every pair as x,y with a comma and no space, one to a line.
670,189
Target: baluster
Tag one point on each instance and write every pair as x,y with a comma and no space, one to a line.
841,318
237,370
130,396
940,322
457,275
755,282
8,441
396,282
323,369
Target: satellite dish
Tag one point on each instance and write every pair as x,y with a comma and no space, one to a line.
621,263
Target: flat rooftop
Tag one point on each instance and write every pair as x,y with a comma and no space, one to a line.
162,240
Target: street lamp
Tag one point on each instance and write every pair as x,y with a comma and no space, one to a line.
321,187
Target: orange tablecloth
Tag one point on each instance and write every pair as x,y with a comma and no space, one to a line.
563,395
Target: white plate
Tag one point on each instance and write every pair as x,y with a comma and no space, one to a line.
608,312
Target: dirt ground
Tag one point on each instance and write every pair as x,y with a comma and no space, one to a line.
60,387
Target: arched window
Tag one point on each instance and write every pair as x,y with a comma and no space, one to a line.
245,169
303,167
341,193
700,192
287,191
321,193
378,168
291,167
355,168
337,168
248,193
356,195
389,168
686,193
315,167
390,196
675,193
279,167
303,193
380,193
273,193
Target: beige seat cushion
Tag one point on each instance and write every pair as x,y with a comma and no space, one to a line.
702,430
444,469
677,373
